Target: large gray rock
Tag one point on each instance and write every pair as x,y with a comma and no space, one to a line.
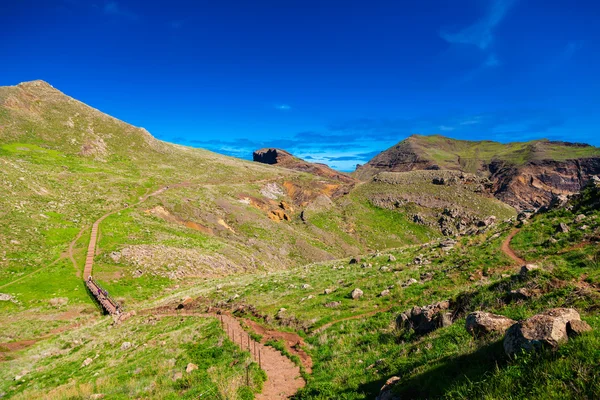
482,323
426,319
356,294
546,329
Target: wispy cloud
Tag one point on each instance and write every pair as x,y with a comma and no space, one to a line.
283,107
114,8
481,33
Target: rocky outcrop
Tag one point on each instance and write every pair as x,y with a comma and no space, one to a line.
427,318
539,183
284,159
546,329
482,323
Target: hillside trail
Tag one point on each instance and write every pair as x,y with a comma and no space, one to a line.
283,376
508,251
91,252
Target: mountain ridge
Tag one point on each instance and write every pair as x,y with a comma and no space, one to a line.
524,174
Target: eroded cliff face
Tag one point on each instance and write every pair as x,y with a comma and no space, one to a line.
534,184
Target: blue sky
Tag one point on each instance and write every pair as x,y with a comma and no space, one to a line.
331,81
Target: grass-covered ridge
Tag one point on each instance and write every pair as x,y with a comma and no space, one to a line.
447,152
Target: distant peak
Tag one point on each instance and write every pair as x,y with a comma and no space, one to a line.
37,83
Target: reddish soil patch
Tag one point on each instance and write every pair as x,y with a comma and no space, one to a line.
293,342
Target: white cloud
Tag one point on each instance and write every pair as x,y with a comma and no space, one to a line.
283,107
481,33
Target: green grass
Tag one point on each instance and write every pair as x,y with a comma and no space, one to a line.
159,349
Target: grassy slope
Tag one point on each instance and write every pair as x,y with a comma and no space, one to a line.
159,349
447,363
61,192
54,191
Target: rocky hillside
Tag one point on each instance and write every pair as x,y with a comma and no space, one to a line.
282,158
525,175
179,212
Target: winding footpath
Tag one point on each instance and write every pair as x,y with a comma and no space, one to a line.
283,376
508,251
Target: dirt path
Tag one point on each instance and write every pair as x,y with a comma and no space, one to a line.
283,376
508,251
293,342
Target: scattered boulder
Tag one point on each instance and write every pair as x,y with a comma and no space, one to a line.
6,297
328,291
391,258
354,260
426,319
482,323
526,269
306,286
87,362
281,313
580,218
427,276
409,282
356,294
562,227
577,327
385,268
333,304
126,346
418,219
386,390
546,329
191,367
177,375
487,222
384,293
447,244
